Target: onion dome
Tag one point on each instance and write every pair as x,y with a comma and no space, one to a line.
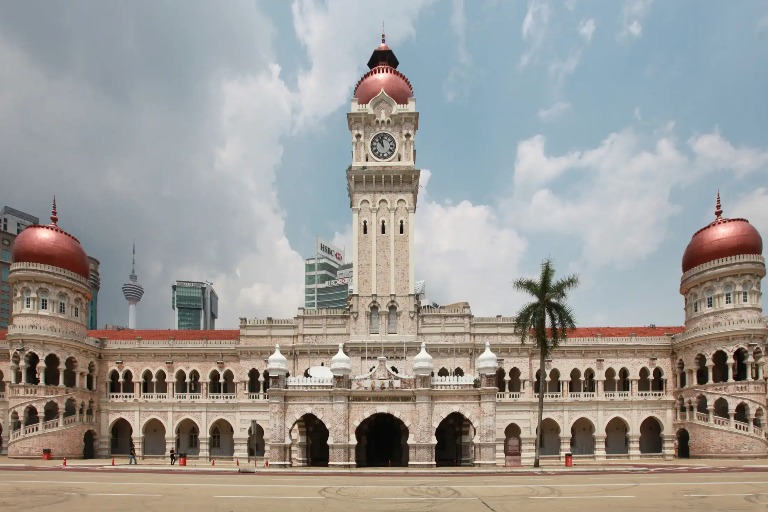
487,363
720,239
383,75
277,364
422,363
340,363
51,245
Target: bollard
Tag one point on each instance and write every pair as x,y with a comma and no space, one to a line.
113,461
65,462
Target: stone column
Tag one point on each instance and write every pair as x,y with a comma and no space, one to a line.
41,373
731,420
421,453
341,448
600,388
633,387
485,448
204,389
634,447
202,442
61,418
241,446
61,377
506,383
730,370
78,380
278,452
169,389
710,413
691,381
564,392
14,369
565,444
600,447
710,364
137,389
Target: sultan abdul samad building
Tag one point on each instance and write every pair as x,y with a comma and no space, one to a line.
392,381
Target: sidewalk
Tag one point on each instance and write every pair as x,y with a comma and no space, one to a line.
639,465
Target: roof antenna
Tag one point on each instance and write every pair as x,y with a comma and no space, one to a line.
383,38
54,216
718,207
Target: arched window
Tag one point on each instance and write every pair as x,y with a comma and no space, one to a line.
365,227
216,438
383,228
374,320
401,227
745,286
710,300
62,304
728,294
193,437
27,299
392,320
43,300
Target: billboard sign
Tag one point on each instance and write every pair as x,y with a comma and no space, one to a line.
331,252
337,282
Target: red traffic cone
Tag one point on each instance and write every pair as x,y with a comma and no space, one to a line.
266,463
113,461
213,462
65,462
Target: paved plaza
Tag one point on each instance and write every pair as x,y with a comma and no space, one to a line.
83,485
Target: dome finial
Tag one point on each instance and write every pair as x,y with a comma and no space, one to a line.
718,207
383,37
54,216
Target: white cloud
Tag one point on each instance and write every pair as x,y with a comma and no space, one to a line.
714,153
458,77
333,34
554,112
587,28
632,14
753,206
534,29
466,252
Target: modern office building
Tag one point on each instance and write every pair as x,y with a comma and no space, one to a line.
14,221
327,278
196,305
95,280
410,384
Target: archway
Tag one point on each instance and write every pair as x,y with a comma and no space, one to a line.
32,361
51,370
154,438
721,408
454,441
50,411
188,437
650,435
120,437
70,369
583,437
683,444
89,441
256,444
381,441
222,442
513,446
616,440
550,437
30,415
310,441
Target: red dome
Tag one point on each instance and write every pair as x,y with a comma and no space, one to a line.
721,239
383,74
50,245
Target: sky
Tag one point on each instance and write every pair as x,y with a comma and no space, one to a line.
214,135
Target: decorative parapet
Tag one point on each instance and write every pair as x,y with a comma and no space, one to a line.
720,327
310,382
494,320
447,310
40,267
720,262
50,331
170,343
453,382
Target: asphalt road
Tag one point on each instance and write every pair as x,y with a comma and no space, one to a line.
110,490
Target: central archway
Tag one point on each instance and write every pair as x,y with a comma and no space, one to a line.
309,437
382,440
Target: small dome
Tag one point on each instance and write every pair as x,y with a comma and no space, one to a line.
277,364
340,363
720,239
383,75
487,363
423,363
51,245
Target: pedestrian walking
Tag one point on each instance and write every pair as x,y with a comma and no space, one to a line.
173,456
132,455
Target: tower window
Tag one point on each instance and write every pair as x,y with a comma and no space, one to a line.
745,297
365,227
696,306
392,320
728,297
374,320
77,312
383,228
62,308
710,302
44,304
401,227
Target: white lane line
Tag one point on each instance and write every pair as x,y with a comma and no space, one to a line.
364,486
429,499
574,497
734,494
277,497
110,494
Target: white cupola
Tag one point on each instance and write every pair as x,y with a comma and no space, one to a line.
487,363
422,363
341,364
277,364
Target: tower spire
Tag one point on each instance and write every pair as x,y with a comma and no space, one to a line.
133,264
54,216
132,291
718,207
383,37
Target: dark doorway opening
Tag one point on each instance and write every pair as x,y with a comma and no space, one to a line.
683,444
454,441
89,451
381,442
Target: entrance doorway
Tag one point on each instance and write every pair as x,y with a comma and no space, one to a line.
88,445
454,441
309,437
381,442
683,446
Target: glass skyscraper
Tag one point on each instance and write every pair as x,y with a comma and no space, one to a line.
196,305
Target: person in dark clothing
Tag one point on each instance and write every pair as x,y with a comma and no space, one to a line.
132,455
173,456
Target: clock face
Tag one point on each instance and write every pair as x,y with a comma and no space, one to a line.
383,146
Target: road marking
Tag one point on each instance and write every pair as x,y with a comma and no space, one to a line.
574,497
734,494
277,497
431,499
110,494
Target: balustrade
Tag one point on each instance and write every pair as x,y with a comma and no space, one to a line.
188,396
616,394
722,422
154,396
507,395
257,396
121,396
222,396
650,394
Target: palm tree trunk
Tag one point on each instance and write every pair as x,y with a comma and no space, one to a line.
541,408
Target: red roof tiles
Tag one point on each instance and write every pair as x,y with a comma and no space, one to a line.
166,334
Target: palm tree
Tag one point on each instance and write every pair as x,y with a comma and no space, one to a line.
547,319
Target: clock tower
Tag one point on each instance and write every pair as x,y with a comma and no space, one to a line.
383,185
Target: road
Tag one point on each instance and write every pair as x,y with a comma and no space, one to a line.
97,489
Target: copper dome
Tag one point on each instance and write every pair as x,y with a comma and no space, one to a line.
384,75
50,245
721,239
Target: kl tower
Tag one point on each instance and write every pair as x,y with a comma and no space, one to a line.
133,292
